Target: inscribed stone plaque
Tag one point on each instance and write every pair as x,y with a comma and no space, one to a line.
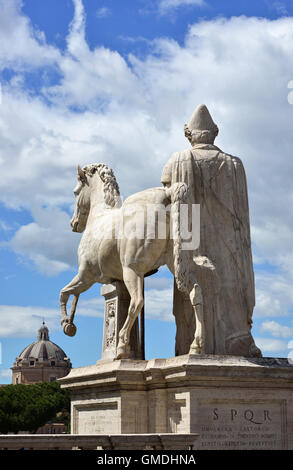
96,418
242,424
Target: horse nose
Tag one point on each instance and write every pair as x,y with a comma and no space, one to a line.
73,224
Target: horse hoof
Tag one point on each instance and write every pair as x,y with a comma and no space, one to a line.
69,329
195,349
123,352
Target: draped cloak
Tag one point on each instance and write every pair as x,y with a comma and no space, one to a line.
223,261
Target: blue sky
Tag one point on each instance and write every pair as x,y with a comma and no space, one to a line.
115,81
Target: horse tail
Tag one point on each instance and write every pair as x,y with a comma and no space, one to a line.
178,193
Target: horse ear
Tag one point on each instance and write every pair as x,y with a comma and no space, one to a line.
80,172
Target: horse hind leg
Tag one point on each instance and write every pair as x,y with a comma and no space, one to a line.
195,295
194,292
134,285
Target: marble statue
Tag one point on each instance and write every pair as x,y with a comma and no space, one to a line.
210,385
114,246
223,262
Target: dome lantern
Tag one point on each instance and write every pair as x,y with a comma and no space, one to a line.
43,333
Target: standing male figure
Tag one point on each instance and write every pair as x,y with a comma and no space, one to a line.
223,261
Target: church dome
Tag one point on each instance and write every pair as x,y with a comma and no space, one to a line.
43,349
40,361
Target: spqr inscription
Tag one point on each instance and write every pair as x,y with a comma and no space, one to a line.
247,415
241,426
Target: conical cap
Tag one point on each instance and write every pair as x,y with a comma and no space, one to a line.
201,119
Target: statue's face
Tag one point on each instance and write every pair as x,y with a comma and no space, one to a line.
82,203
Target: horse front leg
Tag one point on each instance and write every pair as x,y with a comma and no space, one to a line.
75,287
134,285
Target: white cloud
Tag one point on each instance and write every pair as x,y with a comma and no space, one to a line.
24,321
268,305
131,116
166,5
91,307
273,238
5,373
274,296
42,241
76,42
279,7
268,345
4,226
103,12
162,279
277,330
22,45
158,304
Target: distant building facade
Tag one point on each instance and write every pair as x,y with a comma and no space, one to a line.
41,361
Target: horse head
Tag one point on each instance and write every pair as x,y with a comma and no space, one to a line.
96,188
82,202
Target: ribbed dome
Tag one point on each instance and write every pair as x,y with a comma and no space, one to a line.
43,349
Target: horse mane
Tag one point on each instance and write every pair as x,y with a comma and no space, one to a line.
111,188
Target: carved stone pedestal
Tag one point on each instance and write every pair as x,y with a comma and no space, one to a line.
117,301
231,402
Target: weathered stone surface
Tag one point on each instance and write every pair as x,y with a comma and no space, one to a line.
106,442
231,402
122,242
223,262
117,300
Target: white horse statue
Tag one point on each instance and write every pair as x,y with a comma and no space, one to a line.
103,257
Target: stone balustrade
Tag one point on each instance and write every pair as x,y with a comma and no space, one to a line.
97,442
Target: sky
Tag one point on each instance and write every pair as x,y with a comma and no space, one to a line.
114,81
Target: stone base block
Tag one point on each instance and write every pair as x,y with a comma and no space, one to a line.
231,402
97,442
